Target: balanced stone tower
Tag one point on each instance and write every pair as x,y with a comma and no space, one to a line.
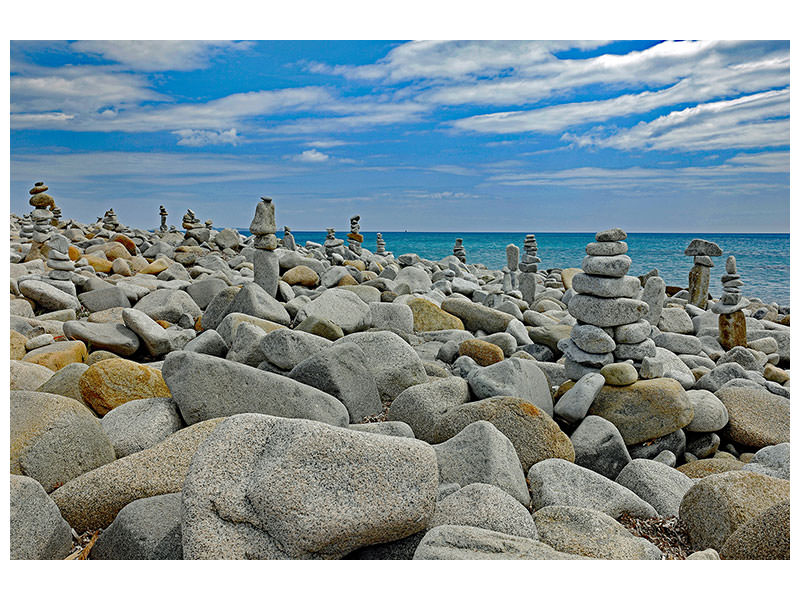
611,321
58,258
702,251
528,267
732,323
459,252
333,246
41,217
354,237
110,220
288,239
380,245
266,268
163,214
190,220
511,270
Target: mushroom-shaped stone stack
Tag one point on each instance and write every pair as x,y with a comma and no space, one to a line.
732,324
702,250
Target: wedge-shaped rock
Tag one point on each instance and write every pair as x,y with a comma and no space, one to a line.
421,406
38,531
657,484
477,316
513,377
266,487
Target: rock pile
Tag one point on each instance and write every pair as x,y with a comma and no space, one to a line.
354,237
265,261
528,268
380,246
162,212
458,250
732,323
702,251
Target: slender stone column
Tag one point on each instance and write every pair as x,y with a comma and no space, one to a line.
702,250
265,262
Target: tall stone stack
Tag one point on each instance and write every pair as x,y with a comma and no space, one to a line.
732,323
288,239
162,212
41,217
110,220
380,246
355,239
58,258
459,252
611,321
265,261
528,267
332,245
702,250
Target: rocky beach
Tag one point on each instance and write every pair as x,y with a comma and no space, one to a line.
194,393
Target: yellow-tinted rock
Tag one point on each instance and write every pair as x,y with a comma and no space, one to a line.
120,266
17,345
115,250
163,323
58,354
74,253
111,383
358,264
155,267
567,275
109,315
698,469
483,353
100,265
125,241
369,276
429,317
347,280
138,263
301,275
99,355
773,373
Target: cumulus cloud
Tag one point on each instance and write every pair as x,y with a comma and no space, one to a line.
312,156
196,137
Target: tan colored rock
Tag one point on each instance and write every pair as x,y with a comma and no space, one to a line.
109,315
93,500
58,354
301,275
138,263
358,264
101,265
483,353
99,355
644,410
74,253
17,347
347,280
757,418
709,466
120,266
732,330
429,317
125,241
717,505
155,267
764,537
773,373
567,275
27,376
113,382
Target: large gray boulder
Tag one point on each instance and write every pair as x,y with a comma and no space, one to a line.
657,484
513,377
266,487
460,542
205,387
422,405
392,362
481,454
38,531
477,316
771,460
113,337
341,372
140,424
342,307
558,482
46,296
600,447
253,300
485,506
146,529
286,348
168,305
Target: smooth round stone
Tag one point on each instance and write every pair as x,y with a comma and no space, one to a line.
730,265
611,235
619,373
703,261
606,248
637,352
574,353
607,266
606,287
632,333
592,339
606,312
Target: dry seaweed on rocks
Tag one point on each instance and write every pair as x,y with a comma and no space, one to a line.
665,532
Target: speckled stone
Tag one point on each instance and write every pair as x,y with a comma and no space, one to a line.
429,317
764,537
483,353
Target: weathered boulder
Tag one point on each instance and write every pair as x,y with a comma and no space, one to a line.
38,531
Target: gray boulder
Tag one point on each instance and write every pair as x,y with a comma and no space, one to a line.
104,298
600,447
168,305
265,487
710,413
209,342
513,377
113,337
146,529
140,424
771,460
341,307
47,296
657,484
422,405
38,531
476,316
254,301
157,340
205,387
203,292
575,403
287,348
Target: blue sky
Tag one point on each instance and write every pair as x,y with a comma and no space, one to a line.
424,136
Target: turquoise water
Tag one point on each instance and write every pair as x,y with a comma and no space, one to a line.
762,259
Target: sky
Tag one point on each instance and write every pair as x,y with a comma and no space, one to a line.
663,136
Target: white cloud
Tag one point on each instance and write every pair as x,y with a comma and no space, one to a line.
312,156
155,55
196,137
326,143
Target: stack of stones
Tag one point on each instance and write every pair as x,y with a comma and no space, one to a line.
209,223
56,221
194,228
553,279
110,220
332,245
528,267
288,239
732,323
611,323
190,220
511,270
265,260
163,214
459,252
354,237
380,246
41,218
702,250
58,258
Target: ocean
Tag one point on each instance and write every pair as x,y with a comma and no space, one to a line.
762,259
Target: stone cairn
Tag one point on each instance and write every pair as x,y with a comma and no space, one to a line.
162,212
732,323
459,252
288,239
380,246
528,267
511,270
354,237
110,220
702,251
194,229
190,220
265,260
58,258
333,246
41,217
611,323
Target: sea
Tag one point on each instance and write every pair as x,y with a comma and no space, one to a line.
762,259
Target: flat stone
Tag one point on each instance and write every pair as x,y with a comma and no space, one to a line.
700,247
606,287
632,333
533,433
104,298
654,294
557,482
606,266
298,489
476,316
574,353
168,305
606,248
611,235
678,343
592,339
38,531
47,296
113,337
606,312
637,352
